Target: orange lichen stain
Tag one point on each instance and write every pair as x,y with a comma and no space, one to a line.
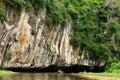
75,52
24,39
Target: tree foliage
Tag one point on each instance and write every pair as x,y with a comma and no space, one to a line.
2,12
95,25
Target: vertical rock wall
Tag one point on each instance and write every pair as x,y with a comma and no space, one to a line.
29,42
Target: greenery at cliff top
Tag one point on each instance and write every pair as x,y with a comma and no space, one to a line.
96,23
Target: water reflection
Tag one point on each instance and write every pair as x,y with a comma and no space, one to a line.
39,76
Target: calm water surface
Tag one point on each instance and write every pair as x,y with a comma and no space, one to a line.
39,76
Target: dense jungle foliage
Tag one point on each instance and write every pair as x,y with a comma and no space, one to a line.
96,23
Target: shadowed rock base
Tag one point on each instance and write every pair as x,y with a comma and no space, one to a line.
53,68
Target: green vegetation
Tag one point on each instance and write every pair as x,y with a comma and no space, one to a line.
114,67
28,5
98,76
93,29
2,12
57,12
5,72
19,5
106,74
96,24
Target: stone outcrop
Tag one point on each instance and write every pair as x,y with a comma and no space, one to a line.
28,42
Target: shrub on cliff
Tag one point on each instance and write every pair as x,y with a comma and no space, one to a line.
2,12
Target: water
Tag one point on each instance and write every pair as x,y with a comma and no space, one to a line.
39,76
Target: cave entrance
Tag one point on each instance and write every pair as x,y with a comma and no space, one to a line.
53,68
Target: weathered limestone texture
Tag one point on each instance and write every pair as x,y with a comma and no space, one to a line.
28,42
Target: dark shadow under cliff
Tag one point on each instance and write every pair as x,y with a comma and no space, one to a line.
53,68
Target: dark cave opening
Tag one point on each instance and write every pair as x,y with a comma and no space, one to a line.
53,68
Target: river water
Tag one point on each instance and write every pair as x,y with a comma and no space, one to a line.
39,76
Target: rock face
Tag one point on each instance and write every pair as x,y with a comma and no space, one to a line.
28,42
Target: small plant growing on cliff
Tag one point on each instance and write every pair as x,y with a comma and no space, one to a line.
10,53
2,12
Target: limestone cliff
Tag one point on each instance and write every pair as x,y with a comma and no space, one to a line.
27,42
